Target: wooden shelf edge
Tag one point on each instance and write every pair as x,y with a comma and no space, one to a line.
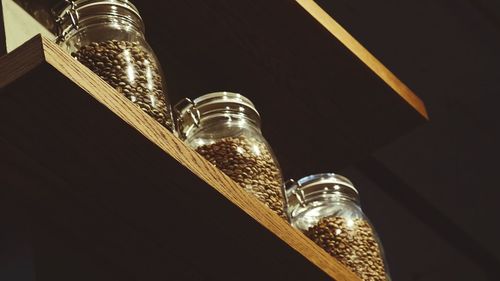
21,61
41,50
364,55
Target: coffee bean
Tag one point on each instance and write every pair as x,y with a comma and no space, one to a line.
353,243
256,173
113,62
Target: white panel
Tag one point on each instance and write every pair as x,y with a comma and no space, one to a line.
20,26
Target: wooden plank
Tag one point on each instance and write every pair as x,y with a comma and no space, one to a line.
19,62
114,158
363,54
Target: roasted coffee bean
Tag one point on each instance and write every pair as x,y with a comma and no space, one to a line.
249,163
132,71
353,243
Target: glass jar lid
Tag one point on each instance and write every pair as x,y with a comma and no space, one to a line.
326,186
70,13
191,113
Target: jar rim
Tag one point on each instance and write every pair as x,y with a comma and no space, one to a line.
69,14
82,4
326,178
319,187
222,97
222,104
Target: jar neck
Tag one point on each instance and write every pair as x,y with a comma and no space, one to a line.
323,197
214,110
114,22
337,197
324,205
80,15
230,118
216,120
320,189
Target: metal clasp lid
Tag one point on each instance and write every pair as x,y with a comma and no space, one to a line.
297,192
70,13
189,107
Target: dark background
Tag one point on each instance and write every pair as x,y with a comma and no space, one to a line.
432,194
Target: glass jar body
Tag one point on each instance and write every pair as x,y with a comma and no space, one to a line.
116,50
337,224
236,146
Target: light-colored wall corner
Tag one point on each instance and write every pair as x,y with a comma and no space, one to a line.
20,26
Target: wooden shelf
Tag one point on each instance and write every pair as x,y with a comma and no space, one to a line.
86,159
100,174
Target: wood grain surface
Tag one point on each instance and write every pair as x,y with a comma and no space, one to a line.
363,54
99,159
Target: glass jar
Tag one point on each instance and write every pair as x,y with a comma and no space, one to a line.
225,128
107,36
326,208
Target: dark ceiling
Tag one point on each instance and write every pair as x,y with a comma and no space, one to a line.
432,193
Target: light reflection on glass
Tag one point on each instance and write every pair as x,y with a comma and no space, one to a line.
200,142
149,75
240,150
152,98
256,150
130,68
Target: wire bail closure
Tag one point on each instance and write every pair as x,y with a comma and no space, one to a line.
193,112
297,192
70,13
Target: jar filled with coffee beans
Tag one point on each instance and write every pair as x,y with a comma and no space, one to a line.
225,128
326,208
107,36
